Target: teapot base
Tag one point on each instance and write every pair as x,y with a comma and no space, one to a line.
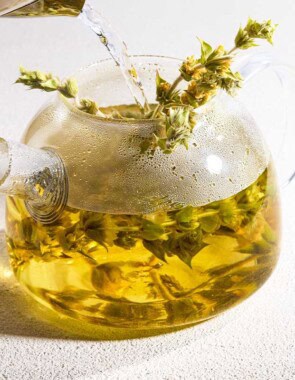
103,277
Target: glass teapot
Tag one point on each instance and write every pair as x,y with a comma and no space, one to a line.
100,232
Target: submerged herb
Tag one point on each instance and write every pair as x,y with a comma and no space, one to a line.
181,233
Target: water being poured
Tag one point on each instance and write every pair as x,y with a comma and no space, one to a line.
93,19
117,49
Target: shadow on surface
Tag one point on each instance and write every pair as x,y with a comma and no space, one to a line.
20,315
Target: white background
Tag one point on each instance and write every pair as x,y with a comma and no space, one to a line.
253,341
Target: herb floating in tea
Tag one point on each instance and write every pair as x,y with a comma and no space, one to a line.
181,233
176,107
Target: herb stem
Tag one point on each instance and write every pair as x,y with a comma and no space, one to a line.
174,85
204,285
232,50
160,107
146,108
156,111
80,107
162,289
208,213
169,224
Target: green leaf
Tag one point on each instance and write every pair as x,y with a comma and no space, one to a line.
50,84
241,38
261,247
186,245
231,82
156,247
125,240
269,235
163,89
145,145
206,50
246,36
189,67
230,214
184,215
88,106
69,88
97,235
210,224
152,231
176,129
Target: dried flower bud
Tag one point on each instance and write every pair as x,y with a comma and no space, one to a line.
231,82
264,30
163,88
69,88
189,68
175,129
88,106
254,30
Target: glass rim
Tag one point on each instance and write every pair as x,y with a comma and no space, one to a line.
80,113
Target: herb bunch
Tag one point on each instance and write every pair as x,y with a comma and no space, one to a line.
175,110
204,76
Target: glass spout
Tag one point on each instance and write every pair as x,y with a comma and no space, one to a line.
26,8
36,175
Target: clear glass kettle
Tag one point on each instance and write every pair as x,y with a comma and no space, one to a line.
100,232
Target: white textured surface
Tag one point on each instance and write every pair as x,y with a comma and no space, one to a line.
253,341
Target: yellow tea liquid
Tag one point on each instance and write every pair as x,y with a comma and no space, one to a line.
148,271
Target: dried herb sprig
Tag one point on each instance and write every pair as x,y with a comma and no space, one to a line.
49,83
205,76
176,108
254,30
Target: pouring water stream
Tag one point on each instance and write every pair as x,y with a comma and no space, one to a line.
117,49
89,16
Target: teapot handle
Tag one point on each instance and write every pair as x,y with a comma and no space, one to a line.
282,144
